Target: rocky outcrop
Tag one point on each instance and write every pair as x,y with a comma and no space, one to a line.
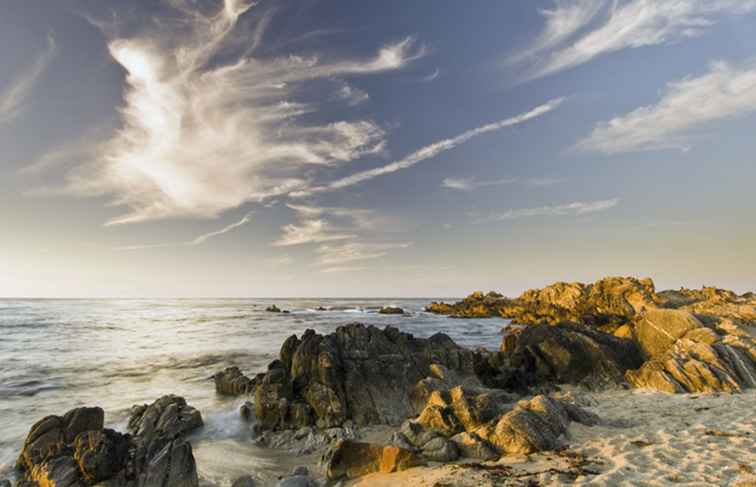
570,354
391,310
358,373
657,330
75,450
476,305
695,363
351,459
479,428
232,382
608,303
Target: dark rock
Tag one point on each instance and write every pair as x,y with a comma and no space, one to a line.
440,450
476,305
76,451
244,481
358,373
273,309
101,454
233,382
296,481
351,459
247,411
470,445
391,310
5,483
570,354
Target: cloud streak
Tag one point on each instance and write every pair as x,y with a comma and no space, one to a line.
194,242
577,208
13,98
207,125
430,151
470,184
577,31
726,91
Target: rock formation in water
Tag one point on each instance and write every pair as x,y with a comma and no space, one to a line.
357,373
75,450
232,382
391,310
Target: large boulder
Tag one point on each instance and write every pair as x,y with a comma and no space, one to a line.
75,450
657,330
351,459
357,373
570,354
476,305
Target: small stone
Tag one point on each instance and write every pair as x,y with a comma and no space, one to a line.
244,481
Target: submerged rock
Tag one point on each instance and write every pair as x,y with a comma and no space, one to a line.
352,459
76,451
357,373
391,310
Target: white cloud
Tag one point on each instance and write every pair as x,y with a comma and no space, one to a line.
331,255
309,231
430,151
199,137
351,95
577,31
13,97
431,77
726,91
194,242
577,208
470,184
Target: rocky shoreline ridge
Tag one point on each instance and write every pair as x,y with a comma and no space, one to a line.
372,401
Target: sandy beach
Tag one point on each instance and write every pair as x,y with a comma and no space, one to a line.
646,438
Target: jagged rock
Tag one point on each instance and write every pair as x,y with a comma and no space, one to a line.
391,310
461,409
233,382
162,456
699,366
357,373
76,451
522,428
244,481
470,445
351,459
658,329
100,455
305,440
570,353
50,436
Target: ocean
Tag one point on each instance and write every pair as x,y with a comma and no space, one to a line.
56,355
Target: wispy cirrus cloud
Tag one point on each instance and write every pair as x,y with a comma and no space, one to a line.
470,184
200,135
330,255
726,91
13,97
577,208
309,231
431,77
577,31
194,242
351,95
430,151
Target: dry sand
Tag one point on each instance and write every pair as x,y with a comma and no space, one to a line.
646,439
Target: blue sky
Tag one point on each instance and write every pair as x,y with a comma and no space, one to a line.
429,148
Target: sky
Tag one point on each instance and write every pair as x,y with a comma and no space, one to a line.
307,148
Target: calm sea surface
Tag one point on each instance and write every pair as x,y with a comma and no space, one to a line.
59,354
